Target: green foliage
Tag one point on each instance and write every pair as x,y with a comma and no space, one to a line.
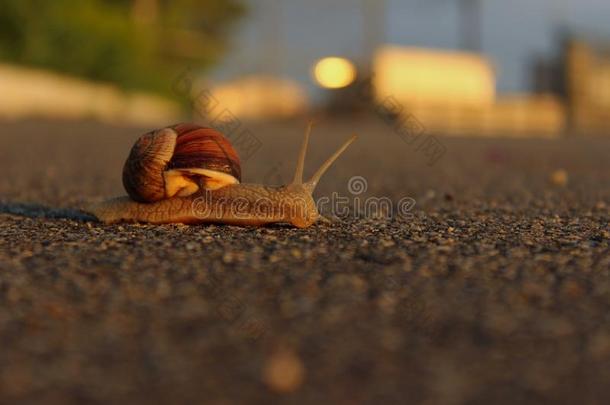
108,40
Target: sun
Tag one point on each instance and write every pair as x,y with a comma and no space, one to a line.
334,72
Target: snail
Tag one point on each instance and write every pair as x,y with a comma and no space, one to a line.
191,174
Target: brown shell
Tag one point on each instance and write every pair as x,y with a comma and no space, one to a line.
204,148
143,171
181,147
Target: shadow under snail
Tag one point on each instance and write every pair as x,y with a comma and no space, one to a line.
191,174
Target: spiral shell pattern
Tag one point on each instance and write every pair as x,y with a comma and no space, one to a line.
183,147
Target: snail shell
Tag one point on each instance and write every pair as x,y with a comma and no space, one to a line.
178,161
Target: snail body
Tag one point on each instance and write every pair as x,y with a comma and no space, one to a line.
174,177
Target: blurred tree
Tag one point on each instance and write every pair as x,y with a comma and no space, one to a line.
134,43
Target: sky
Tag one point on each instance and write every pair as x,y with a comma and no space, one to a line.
287,36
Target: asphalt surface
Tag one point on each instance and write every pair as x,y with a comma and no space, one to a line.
493,288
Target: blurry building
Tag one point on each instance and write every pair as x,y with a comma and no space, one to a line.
580,77
587,80
255,97
547,76
425,77
455,93
30,92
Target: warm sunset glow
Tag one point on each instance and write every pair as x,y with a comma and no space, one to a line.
334,72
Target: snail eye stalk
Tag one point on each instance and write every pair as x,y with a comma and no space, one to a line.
311,184
298,174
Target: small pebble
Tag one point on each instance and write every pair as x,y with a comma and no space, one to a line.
284,371
559,177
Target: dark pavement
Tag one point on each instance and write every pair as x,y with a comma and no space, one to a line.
493,288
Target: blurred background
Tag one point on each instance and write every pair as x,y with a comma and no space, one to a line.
475,67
